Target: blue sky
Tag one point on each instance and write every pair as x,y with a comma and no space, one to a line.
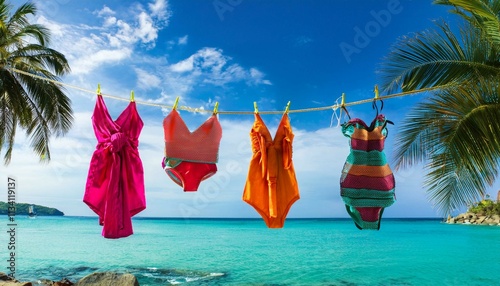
234,52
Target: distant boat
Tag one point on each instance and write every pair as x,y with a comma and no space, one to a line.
31,212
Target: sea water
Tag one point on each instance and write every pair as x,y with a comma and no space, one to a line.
245,252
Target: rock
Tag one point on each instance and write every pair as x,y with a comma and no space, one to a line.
481,219
15,283
5,277
6,280
63,282
108,279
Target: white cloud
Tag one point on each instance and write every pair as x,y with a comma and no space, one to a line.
98,58
302,40
110,21
146,31
146,80
56,30
211,66
184,65
183,40
105,11
89,47
257,77
160,9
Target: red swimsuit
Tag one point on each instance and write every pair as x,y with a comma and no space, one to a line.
190,157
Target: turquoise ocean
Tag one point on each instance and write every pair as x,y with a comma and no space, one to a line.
245,252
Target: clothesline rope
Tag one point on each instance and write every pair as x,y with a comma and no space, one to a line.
201,110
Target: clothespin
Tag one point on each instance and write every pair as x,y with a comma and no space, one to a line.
256,110
287,109
342,106
176,103
98,88
132,97
377,96
216,107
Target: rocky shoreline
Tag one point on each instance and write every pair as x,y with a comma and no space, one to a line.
94,279
477,219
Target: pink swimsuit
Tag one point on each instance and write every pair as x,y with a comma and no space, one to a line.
115,182
190,157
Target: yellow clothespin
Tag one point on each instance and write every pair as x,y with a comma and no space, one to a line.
216,107
132,96
287,109
377,96
256,110
98,88
176,103
342,106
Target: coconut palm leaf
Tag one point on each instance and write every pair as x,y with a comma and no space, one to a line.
38,106
449,186
455,132
483,14
437,58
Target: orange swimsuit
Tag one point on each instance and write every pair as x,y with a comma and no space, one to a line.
271,187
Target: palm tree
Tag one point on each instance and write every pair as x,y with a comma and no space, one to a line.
38,106
455,131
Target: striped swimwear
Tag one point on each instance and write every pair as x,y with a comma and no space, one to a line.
367,183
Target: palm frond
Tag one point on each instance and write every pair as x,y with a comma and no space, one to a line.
37,32
19,18
417,136
437,58
483,14
455,132
49,100
40,58
449,186
38,106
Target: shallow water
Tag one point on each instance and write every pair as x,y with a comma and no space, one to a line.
245,252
